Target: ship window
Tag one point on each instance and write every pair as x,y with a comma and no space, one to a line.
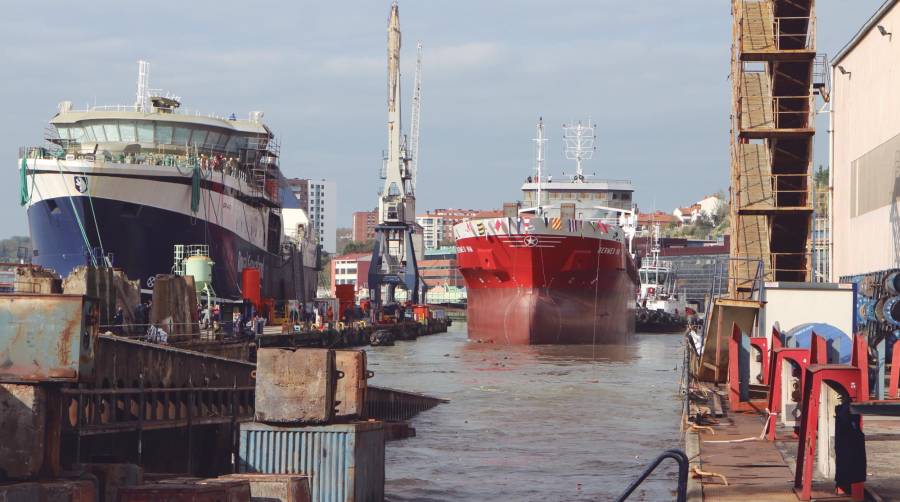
126,130
89,133
181,135
233,144
98,132
199,137
626,196
63,132
223,140
213,139
163,134
76,133
112,131
145,132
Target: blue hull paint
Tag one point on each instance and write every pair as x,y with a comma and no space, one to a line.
141,240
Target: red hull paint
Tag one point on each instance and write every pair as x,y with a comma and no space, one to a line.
548,289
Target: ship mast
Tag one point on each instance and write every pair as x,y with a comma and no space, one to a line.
579,141
539,158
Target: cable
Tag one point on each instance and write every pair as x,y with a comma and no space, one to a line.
84,236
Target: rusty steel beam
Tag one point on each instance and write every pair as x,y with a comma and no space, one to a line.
122,362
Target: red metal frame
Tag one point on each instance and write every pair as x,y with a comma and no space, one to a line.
895,374
799,358
762,345
850,380
734,378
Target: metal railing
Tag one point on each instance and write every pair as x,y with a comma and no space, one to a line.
777,112
790,34
790,197
683,464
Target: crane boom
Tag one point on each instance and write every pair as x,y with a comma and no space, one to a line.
414,123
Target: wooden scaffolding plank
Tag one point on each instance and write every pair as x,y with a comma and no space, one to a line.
756,101
755,178
758,27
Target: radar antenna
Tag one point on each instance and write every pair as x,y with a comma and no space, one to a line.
579,142
143,86
539,142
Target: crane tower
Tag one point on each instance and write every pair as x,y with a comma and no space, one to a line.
394,257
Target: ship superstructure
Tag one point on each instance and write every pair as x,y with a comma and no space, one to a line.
122,185
558,269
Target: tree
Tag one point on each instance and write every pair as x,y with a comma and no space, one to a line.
359,247
325,274
15,248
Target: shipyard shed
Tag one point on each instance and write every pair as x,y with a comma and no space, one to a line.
865,147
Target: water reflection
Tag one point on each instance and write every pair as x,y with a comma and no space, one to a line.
527,423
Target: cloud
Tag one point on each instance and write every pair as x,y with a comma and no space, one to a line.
464,57
354,66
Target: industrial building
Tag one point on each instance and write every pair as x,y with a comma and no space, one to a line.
865,148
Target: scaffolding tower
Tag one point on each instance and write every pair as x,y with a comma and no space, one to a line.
774,88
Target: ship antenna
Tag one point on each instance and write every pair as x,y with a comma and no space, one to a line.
143,86
539,157
579,141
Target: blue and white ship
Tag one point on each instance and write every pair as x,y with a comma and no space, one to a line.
122,185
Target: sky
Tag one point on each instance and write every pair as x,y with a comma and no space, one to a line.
653,75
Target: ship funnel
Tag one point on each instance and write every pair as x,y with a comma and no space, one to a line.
256,117
65,106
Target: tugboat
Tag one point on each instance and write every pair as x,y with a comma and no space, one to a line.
660,308
557,268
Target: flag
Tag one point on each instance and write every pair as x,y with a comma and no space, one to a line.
602,227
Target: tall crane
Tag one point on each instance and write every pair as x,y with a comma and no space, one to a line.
394,258
414,127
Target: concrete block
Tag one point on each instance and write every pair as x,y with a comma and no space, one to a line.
295,386
72,490
22,492
23,415
199,491
350,393
113,477
275,487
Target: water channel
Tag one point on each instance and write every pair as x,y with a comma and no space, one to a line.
533,423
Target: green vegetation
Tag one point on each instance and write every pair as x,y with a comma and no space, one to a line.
359,247
708,225
15,248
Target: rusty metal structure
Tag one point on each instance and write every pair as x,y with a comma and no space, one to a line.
775,78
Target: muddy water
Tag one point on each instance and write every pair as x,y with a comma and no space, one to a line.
550,423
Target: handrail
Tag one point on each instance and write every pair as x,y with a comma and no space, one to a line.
676,455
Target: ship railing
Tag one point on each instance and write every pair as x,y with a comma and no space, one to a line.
134,109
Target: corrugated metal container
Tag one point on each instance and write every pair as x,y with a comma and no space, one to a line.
295,385
350,394
345,462
47,337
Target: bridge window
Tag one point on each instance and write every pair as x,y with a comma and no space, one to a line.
145,132
199,137
112,131
181,135
126,131
163,134
213,138
98,132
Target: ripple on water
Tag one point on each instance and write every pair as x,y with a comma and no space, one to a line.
532,423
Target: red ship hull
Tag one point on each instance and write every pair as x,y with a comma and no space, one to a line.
548,289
